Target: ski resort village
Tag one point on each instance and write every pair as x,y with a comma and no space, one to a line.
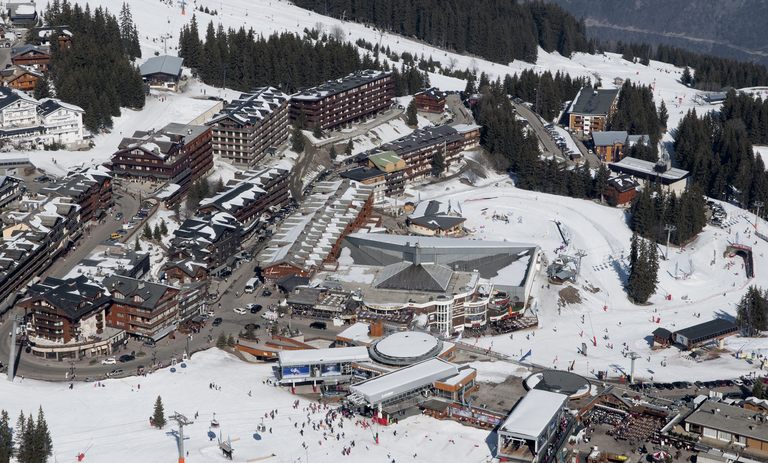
319,231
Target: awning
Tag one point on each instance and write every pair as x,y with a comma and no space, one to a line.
163,332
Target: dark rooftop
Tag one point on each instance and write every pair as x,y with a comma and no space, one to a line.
360,174
591,101
333,87
708,330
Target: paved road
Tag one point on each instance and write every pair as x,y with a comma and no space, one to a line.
549,145
96,234
592,159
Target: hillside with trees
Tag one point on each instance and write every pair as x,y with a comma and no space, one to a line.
499,31
242,60
637,114
717,150
96,72
752,312
652,210
548,93
731,29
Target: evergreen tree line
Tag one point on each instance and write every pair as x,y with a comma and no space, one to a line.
652,210
717,150
242,60
711,72
545,91
515,149
28,442
643,270
636,113
497,30
752,312
96,72
752,111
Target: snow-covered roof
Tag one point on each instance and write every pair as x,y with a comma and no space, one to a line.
333,87
416,376
357,332
289,358
533,413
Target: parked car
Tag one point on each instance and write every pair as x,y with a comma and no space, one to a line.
109,361
119,216
126,358
149,343
217,321
115,236
266,293
116,372
240,310
318,325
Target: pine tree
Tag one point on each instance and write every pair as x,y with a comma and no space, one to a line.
157,235
687,78
663,114
348,149
147,232
332,153
411,114
230,341
137,245
6,438
164,227
317,132
643,270
752,312
219,185
438,164
42,89
297,139
758,390
601,181
42,443
221,341
19,433
158,416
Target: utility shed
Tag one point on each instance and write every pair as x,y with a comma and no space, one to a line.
713,330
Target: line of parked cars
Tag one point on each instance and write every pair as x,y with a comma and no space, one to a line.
559,140
740,382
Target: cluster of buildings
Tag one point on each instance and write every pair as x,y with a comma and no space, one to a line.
413,158
310,239
443,285
39,228
27,121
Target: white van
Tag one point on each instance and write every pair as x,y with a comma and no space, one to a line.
251,286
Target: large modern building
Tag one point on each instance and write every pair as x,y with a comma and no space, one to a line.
407,387
453,282
591,110
311,237
319,366
251,196
649,173
344,100
533,427
248,127
177,154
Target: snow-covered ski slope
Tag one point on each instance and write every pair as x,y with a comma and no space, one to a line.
155,19
111,423
695,280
